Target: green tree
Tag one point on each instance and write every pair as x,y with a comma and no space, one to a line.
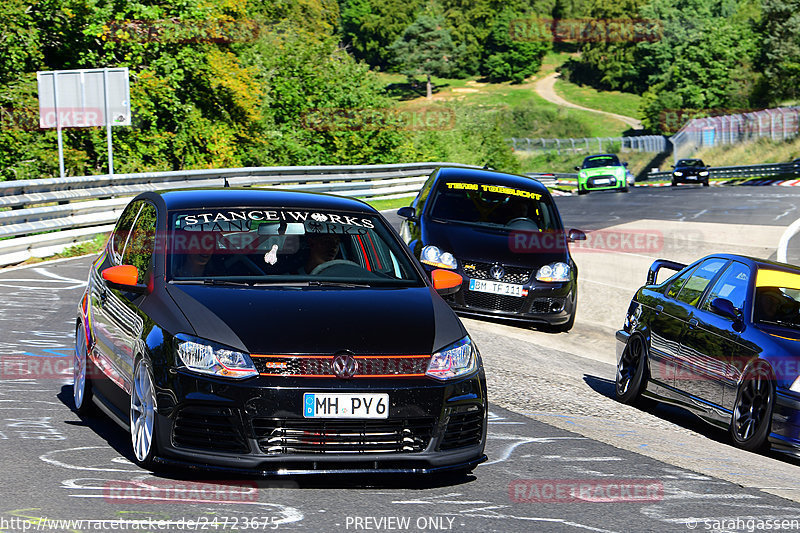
508,58
369,27
780,53
425,49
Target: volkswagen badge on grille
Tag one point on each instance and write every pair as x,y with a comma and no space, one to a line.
344,365
497,272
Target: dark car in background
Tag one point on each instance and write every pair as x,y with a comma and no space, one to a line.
275,332
690,171
719,338
503,234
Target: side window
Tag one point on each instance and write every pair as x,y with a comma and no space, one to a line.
677,285
732,285
699,280
424,192
123,230
139,250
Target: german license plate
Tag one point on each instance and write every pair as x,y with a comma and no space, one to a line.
495,287
322,405
602,181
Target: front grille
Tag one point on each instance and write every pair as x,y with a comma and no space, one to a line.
494,302
293,436
592,182
547,305
464,428
320,366
479,270
209,428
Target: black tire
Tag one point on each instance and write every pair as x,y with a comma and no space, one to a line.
674,183
705,183
631,371
81,374
624,189
752,412
581,192
143,398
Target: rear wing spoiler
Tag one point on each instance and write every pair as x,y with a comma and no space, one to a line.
658,264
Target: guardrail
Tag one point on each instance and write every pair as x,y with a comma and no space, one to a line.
44,216
771,170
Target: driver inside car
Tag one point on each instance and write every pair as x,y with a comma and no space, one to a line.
322,248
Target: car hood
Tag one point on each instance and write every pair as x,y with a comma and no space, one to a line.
603,171
320,320
520,248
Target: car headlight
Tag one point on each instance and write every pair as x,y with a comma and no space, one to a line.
582,175
553,272
678,173
458,359
206,357
704,172
431,255
796,385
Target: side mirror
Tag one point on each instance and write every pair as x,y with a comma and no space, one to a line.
724,307
446,282
408,213
625,163
576,235
124,278
577,168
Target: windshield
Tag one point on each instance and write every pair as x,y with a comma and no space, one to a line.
604,161
690,163
496,206
279,246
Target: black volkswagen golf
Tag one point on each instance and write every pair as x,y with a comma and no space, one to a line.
503,234
276,332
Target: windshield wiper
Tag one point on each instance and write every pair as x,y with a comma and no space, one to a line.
331,283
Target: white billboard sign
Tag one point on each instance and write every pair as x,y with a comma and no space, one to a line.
83,99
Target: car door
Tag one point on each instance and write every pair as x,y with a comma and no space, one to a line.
120,308
702,356
667,323
105,330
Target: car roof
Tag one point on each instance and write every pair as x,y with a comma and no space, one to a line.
491,177
612,156
756,261
246,197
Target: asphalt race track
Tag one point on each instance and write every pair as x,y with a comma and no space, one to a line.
563,455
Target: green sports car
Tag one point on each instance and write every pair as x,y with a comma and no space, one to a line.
602,173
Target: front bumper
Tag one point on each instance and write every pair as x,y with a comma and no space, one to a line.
689,179
545,303
257,427
603,183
